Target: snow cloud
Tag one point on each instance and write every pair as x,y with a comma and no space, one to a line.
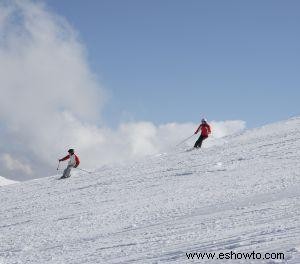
51,101
47,88
15,165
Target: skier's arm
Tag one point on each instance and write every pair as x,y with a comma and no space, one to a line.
77,162
65,158
197,130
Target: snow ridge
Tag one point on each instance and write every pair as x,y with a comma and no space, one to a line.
4,181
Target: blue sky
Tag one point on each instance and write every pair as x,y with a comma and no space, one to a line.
163,65
176,61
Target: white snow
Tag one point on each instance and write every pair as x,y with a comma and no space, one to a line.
240,195
4,181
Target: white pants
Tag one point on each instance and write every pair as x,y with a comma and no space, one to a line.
67,171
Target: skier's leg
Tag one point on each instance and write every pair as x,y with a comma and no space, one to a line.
64,173
202,138
198,143
69,168
67,172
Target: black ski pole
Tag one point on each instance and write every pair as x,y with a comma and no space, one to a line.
58,165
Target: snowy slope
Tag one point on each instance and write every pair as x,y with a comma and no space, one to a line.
242,195
4,181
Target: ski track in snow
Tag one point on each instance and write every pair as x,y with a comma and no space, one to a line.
239,196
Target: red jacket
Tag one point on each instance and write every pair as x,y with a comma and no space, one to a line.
205,130
74,160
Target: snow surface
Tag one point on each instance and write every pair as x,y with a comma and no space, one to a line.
240,195
4,181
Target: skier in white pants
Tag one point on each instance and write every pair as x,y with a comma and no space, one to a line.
73,163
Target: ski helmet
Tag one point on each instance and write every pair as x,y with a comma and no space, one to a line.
204,120
71,151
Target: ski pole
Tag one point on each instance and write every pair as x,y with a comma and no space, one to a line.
58,165
84,170
184,140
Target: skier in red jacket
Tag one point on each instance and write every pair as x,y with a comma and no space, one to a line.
73,163
205,131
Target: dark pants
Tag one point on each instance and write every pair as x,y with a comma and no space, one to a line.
198,143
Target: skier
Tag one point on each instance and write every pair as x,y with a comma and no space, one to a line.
73,163
205,131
